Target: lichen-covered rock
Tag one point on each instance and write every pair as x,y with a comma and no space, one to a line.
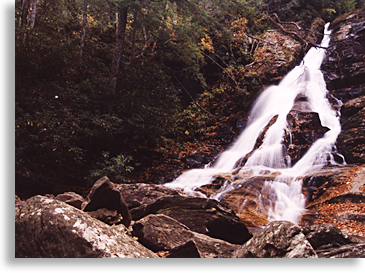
45,227
279,239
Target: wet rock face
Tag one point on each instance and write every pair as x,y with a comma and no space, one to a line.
351,140
304,128
344,72
345,66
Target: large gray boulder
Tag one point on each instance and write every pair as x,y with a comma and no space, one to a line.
45,227
159,232
279,239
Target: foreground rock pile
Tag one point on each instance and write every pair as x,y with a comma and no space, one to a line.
122,222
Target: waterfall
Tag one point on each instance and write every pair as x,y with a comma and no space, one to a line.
307,80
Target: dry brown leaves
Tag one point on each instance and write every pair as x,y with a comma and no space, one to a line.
330,213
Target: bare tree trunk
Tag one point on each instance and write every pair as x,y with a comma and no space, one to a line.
84,22
25,11
34,11
117,52
133,47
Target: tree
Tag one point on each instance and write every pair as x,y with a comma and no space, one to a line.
84,22
121,29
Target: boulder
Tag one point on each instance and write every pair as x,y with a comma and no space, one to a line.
329,242
104,194
18,204
187,250
279,239
326,236
71,198
45,227
159,232
136,195
206,216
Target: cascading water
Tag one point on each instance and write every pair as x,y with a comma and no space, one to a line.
306,80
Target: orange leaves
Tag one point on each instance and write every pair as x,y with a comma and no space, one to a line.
329,213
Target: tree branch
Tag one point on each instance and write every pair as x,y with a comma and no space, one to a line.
224,69
292,33
194,101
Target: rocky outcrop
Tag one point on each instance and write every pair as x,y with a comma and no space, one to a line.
345,67
275,53
351,141
279,239
304,128
336,196
45,227
344,71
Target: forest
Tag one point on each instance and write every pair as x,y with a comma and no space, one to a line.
110,87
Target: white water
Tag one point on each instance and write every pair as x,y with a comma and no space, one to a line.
307,80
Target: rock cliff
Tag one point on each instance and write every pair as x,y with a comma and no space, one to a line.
344,70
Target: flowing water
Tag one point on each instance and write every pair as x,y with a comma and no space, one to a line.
306,80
